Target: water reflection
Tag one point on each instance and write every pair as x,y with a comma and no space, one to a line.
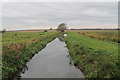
70,62
61,37
52,62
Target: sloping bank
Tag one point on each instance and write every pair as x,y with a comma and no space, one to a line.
13,62
93,62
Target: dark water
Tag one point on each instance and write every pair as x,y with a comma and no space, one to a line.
52,62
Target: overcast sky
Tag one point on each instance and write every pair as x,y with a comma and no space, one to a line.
40,15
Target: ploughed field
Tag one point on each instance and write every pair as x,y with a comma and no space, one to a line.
95,52
19,47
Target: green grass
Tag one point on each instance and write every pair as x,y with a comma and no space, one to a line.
0,55
105,35
95,58
16,40
94,43
0,41
20,37
15,60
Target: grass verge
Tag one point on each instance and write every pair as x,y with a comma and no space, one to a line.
14,61
95,58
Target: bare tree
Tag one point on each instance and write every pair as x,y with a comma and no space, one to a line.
62,27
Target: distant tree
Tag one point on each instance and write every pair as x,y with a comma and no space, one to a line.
50,28
45,31
1,31
118,28
71,29
62,27
4,30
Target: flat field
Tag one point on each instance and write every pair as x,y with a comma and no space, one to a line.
105,35
94,53
23,37
19,47
94,43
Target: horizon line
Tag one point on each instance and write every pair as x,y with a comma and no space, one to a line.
66,29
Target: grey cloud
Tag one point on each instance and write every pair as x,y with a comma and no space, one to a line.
25,15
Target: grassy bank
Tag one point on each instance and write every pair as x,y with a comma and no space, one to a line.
0,66
9,38
15,59
105,35
96,58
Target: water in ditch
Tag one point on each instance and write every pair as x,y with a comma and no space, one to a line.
52,62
